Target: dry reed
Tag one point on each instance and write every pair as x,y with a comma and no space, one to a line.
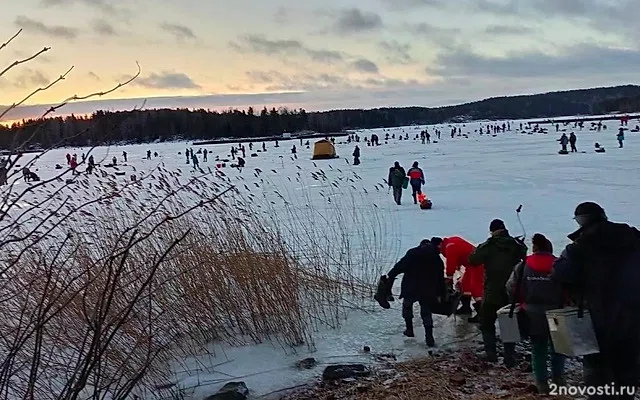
108,285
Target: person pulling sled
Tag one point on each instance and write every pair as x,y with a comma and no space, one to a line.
416,180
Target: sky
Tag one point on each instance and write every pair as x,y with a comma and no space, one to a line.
316,54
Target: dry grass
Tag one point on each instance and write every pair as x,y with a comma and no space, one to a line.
104,290
105,285
448,376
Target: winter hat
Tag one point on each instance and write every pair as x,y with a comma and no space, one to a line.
590,211
415,164
425,242
496,225
541,243
436,241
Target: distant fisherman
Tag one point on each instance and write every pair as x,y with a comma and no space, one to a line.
416,179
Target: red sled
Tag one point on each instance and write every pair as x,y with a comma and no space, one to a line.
424,202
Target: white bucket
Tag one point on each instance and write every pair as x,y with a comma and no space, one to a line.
509,329
572,336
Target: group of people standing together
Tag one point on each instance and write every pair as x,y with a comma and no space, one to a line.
600,270
398,179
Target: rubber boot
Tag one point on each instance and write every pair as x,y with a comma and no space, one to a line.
465,309
489,342
509,354
476,318
429,336
408,332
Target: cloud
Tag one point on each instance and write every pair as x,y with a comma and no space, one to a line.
584,60
364,65
402,5
611,14
180,32
103,28
261,45
501,30
608,16
58,31
167,80
30,79
281,15
102,5
276,81
439,35
354,20
396,52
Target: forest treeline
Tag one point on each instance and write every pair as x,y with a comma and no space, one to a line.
143,126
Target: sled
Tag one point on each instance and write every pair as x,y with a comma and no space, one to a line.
424,202
383,292
405,182
449,305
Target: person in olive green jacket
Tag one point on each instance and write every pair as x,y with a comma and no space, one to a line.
499,255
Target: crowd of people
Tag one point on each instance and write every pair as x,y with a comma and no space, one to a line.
599,271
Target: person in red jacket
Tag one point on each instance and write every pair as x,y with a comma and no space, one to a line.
537,293
456,250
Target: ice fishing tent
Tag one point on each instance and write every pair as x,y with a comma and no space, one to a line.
323,150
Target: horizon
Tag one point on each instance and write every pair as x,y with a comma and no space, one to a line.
87,108
356,55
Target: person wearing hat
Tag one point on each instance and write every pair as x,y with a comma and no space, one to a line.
423,283
396,180
416,180
499,255
601,270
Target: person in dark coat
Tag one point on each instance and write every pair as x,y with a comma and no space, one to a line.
602,267
356,156
564,140
572,141
423,282
499,255
416,180
620,137
531,282
395,180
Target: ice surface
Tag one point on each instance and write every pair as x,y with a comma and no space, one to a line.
470,181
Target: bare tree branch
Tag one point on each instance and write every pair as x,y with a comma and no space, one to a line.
5,44
33,93
24,60
96,94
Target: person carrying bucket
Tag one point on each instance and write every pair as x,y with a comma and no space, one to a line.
416,179
396,181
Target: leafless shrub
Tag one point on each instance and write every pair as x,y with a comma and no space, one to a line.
105,285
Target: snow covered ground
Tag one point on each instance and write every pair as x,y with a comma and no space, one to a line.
471,180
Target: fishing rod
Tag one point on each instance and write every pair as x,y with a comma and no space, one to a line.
524,232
